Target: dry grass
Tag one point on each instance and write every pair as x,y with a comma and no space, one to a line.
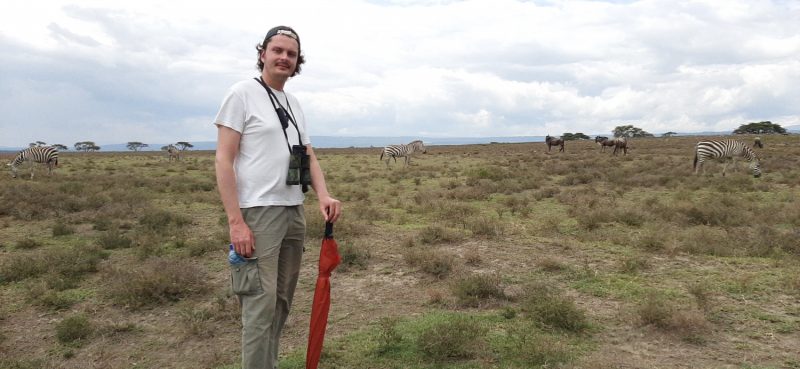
129,237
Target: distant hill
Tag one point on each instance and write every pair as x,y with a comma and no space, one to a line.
344,142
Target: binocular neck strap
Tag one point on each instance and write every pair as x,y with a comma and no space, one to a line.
273,99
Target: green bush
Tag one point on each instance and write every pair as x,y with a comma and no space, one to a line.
549,307
28,243
473,289
656,310
456,337
430,261
354,255
112,240
197,249
154,281
61,229
74,328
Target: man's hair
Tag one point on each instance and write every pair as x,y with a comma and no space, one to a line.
263,46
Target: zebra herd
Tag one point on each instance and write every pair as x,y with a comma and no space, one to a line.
727,150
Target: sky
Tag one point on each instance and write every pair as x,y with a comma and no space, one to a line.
156,71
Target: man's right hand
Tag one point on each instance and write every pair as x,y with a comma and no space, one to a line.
242,239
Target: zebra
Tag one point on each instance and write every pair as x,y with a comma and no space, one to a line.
758,143
552,141
395,151
43,154
725,150
174,152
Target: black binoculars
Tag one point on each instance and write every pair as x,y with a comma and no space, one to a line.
299,167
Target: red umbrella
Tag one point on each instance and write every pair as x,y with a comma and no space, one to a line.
329,258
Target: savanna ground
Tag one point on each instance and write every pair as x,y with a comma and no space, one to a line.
479,256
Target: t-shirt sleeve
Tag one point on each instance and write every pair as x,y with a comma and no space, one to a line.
232,113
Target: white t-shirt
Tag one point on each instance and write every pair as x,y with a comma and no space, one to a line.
262,164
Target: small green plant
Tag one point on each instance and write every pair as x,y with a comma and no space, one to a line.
633,265
73,328
101,223
388,335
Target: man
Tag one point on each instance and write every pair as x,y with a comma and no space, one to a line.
258,125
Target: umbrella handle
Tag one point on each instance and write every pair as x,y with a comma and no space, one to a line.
328,230
328,227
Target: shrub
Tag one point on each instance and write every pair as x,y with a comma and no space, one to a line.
354,255
455,337
388,336
101,223
634,264
525,343
28,243
73,328
485,226
197,249
547,306
473,289
430,261
155,281
113,240
159,221
60,229
21,267
436,234
656,310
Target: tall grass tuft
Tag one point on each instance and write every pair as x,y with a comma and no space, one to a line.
74,328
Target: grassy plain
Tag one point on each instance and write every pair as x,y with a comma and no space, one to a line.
478,256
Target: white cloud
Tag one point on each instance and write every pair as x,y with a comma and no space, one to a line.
114,73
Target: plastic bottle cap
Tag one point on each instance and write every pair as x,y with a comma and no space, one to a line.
231,246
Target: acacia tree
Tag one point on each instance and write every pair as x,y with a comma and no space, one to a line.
630,131
183,145
759,128
574,136
669,134
136,145
60,147
86,146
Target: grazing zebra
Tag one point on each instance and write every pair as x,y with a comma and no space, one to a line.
552,141
43,154
725,150
758,143
174,152
395,151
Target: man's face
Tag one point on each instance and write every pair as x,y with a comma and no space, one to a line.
280,57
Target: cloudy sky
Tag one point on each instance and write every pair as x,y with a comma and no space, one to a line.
113,72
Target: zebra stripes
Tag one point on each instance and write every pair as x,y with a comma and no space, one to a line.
402,151
44,154
725,150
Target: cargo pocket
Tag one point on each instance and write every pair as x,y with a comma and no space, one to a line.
245,279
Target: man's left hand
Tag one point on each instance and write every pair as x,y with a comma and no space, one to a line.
331,209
